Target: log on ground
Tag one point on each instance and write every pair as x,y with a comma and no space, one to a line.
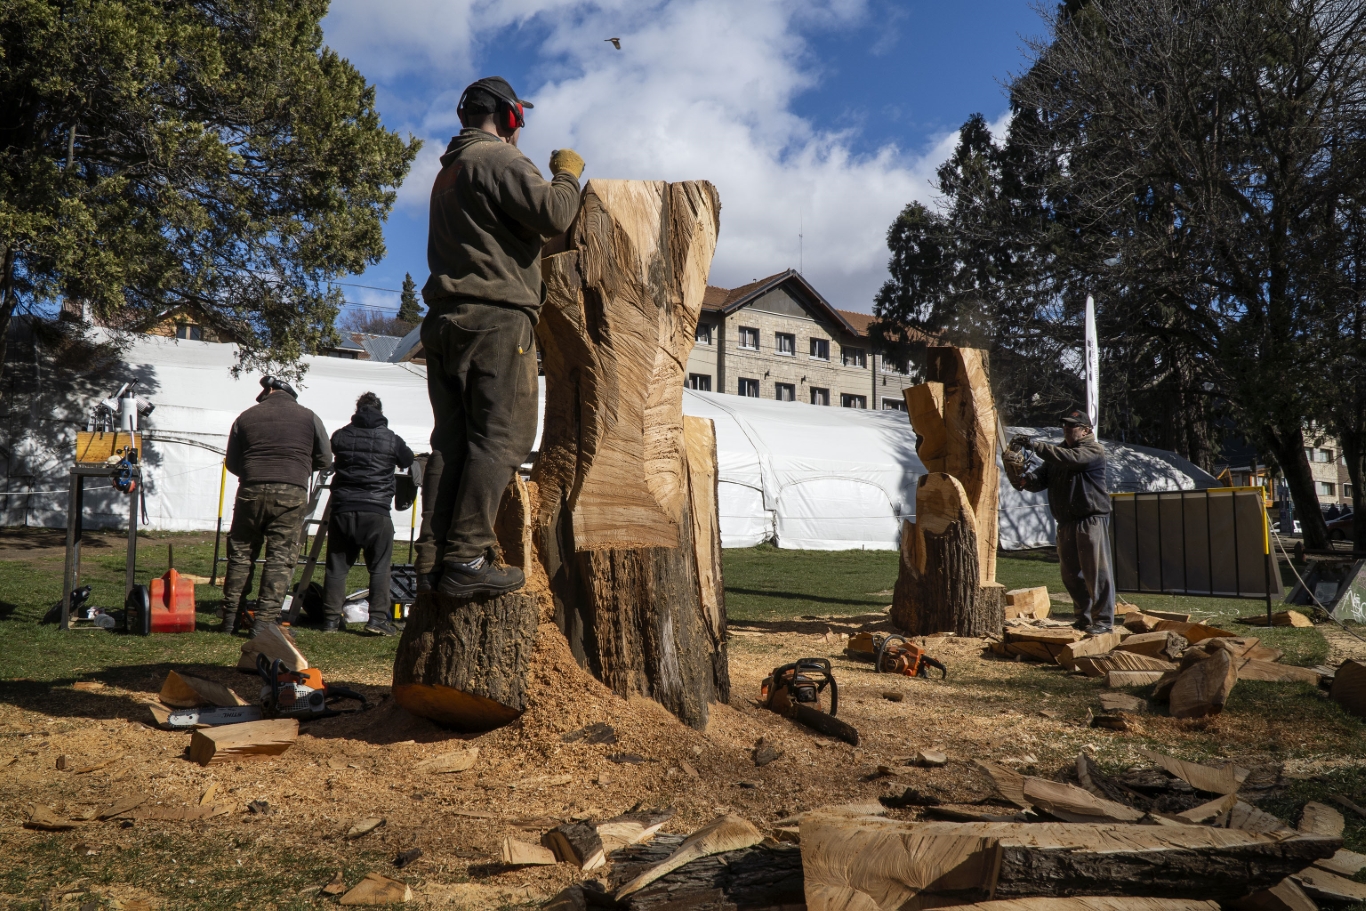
758,878
250,740
463,663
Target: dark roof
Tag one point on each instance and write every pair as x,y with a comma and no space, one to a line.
728,300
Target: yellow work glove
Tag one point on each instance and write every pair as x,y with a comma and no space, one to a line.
566,160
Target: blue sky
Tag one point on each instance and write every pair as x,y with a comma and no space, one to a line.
822,117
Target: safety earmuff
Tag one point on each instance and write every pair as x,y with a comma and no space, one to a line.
514,117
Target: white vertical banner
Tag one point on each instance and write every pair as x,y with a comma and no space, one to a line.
1092,352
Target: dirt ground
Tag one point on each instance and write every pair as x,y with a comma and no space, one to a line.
527,778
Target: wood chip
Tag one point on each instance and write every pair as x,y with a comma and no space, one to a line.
365,826
378,890
448,763
45,819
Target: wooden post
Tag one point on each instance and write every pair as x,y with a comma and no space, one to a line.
947,581
627,527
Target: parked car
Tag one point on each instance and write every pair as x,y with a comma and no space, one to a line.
1340,529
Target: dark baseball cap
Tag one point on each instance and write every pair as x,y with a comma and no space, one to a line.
500,88
1076,416
270,384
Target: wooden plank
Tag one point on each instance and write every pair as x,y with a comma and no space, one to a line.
1343,863
1032,603
1061,801
1253,669
250,740
1329,886
882,865
1131,661
1194,632
1245,816
1163,644
1089,647
1209,811
1132,678
520,854
1223,780
1321,819
1203,688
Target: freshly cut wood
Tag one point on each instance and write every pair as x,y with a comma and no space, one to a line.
463,663
182,814
1262,653
883,864
378,890
121,806
638,596
764,877
1237,646
1122,702
1096,782
520,854
1044,635
45,819
273,642
1321,819
1141,622
576,843
1253,669
1212,810
938,584
1344,863
1163,645
1203,688
1032,603
1329,886
251,740
1210,779
1061,801
1280,618
726,833
184,691
1162,686
1089,647
1349,687
1245,816
1091,903
365,826
1132,678
1194,632
1032,651
447,763
1169,615
1286,895
631,828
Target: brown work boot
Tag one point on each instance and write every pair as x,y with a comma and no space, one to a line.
479,577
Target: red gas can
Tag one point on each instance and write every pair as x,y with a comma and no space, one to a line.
172,604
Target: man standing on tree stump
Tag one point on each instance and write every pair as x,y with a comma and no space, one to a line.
272,449
491,212
367,452
1074,476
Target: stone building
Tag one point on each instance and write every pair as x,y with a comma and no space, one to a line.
778,338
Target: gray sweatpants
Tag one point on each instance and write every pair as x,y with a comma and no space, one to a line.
1084,552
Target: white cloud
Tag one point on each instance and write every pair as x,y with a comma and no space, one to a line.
700,89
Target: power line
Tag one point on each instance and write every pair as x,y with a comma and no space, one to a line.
368,287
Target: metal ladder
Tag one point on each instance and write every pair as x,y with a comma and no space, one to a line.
319,539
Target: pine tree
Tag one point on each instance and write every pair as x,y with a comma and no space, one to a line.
409,308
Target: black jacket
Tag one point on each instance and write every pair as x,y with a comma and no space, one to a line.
277,441
1074,477
367,453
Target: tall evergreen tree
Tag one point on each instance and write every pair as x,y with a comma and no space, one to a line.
204,153
409,307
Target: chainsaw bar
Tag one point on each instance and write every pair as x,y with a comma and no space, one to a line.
183,719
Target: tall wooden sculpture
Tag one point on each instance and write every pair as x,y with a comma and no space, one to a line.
623,511
627,528
947,580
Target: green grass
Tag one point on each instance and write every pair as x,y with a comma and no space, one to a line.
765,583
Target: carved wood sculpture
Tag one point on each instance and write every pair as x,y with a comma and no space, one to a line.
947,581
628,530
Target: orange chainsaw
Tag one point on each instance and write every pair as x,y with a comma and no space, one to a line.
893,654
299,694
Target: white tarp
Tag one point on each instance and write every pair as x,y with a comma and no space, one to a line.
803,476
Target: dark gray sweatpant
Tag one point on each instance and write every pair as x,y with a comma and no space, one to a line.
1084,552
350,534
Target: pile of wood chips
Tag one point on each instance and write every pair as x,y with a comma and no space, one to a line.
1190,666
1173,835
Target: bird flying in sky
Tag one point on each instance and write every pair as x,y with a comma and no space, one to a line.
616,42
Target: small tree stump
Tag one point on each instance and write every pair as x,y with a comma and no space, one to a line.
463,664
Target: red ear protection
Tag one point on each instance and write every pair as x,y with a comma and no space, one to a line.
516,117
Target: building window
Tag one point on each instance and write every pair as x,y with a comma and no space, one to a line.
786,343
892,365
1325,455
699,381
749,388
820,349
853,357
1327,490
1347,491
853,401
749,338
189,332
703,334
785,392
893,404
820,396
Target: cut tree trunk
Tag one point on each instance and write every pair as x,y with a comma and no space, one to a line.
759,878
871,863
938,589
623,504
954,419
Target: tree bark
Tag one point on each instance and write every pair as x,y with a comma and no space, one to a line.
1287,444
627,526
756,879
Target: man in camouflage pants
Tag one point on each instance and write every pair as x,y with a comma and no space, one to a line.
273,448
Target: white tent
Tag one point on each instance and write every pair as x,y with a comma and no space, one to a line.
802,476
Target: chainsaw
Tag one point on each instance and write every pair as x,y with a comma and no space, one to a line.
893,654
795,691
299,694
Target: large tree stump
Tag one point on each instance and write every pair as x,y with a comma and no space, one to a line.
947,580
627,526
463,663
